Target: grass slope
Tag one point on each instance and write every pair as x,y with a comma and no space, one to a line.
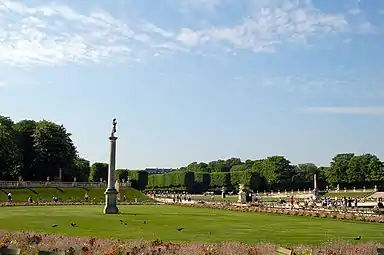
201,224
67,194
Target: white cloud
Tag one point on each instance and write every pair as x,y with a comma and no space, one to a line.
2,84
376,110
269,24
55,34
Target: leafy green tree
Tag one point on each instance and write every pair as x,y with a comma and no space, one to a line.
121,174
258,165
98,170
197,167
276,169
337,173
219,166
82,170
305,172
242,167
355,171
10,156
376,169
231,162
54,148
25,130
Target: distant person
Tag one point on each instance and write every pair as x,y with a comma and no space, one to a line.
125,198
9,197
86,197
30,200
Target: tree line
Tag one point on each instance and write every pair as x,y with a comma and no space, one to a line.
275,172
34,150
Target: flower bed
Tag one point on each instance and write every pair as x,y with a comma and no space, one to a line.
298,212
31,243
7,204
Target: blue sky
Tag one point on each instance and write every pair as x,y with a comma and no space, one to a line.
199,80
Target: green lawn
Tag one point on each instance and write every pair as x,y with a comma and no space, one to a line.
67,194
200,224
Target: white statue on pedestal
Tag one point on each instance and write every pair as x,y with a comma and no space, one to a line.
242,194
117,187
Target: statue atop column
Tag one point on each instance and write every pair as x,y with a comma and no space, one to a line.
114,123
111,192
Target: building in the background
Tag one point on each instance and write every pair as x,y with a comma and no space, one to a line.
158,170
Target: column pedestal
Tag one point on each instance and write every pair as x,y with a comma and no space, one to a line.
111,202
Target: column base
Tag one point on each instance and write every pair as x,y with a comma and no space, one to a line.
111,202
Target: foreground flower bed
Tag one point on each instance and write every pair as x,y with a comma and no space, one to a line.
284,211
31,243
7,204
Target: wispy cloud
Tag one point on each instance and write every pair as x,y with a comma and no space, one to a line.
269,24
376,110
313,83
55,34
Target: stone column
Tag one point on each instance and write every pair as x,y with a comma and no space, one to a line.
111,192
315,194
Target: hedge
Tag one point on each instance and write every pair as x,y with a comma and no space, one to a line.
220,179
138,178
250,179
121,174
202,182
177,179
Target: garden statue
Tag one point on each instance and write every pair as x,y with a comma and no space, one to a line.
242,194
223,191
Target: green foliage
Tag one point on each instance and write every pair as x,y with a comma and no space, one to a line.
138,178
249,178
10,156
121,174
305,172
275,169
202,182
220,179
37,150
242,167
54,147
98,170
81,170
376,169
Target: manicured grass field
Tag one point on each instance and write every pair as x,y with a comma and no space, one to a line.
67,194
200,224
